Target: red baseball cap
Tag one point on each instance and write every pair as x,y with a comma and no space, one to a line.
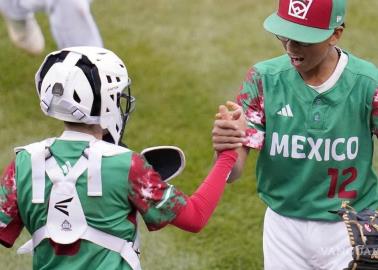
310,21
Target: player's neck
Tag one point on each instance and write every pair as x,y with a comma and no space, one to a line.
94,130
323,71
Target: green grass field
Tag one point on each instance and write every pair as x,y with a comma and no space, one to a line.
184,58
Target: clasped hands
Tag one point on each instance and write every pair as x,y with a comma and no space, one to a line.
229,127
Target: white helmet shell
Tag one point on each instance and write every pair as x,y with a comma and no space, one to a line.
84,85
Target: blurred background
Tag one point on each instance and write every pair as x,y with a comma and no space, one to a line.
184,58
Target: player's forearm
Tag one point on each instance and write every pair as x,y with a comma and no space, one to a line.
234,175
238,167
202,203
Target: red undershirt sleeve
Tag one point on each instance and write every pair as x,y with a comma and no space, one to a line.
196,213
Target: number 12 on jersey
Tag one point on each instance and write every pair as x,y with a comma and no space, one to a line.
346,177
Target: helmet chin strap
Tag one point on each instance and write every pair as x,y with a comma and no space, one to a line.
124,120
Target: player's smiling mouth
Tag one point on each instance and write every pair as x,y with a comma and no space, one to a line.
296,60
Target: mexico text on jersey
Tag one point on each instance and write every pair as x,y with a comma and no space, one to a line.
320,149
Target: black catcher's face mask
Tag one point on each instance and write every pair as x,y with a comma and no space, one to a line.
126,104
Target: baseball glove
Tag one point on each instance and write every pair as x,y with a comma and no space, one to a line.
363,235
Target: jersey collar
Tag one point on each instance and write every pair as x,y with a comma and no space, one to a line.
69,135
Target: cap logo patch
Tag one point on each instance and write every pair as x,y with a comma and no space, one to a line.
299,8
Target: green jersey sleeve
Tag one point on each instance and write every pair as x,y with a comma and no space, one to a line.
158,202
374,113
251,99
8,204
10,222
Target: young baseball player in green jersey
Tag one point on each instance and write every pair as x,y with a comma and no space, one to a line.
77,194
311,113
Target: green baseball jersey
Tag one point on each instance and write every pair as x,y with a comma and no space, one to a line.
129,185
315,149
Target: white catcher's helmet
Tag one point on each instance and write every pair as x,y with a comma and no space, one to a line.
86,85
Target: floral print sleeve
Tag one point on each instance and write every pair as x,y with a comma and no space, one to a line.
8,203
158,202
10,221
374,113
251,98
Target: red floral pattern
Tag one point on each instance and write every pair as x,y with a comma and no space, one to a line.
253,107
8,199
374,112
145,183
255,138
147,188
375,103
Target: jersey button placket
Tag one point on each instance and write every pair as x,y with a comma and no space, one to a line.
317,114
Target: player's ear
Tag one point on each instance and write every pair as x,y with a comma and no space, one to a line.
336,36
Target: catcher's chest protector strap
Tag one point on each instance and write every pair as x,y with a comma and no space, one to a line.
66,222
39,152
65,218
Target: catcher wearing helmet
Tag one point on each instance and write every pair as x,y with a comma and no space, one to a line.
78,194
